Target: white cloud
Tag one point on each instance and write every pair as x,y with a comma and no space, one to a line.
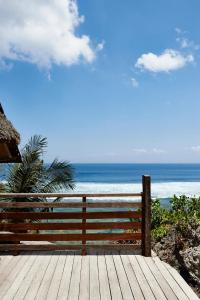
178,30
134,82
195,148
100,46
148,151
184,42
43,33
139,150
158,151
167,61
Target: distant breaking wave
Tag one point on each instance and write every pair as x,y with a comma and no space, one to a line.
159,190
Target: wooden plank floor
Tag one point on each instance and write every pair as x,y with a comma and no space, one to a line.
67,276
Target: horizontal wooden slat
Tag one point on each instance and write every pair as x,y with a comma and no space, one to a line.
66,195
50,247
69,215
70,237
70,226
69,204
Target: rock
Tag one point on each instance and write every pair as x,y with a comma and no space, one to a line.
165,248
191,258
192,235
181,249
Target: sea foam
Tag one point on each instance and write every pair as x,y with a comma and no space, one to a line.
159,190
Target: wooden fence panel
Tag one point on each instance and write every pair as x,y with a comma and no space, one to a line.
69,215
69,226
129,222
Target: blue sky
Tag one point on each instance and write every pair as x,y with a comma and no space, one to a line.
119,85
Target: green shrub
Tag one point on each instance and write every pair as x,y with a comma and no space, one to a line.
159,232
183,212
160,215
184,209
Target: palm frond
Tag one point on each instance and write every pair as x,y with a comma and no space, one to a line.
2,187
23,177
33,176
58,176
35,146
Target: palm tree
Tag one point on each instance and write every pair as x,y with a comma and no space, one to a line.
34,176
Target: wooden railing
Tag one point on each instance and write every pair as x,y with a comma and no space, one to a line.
127,223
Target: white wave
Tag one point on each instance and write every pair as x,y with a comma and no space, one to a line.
159,190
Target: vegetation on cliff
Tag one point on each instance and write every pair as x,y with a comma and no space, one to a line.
176,236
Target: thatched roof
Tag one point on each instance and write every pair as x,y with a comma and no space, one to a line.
9,140
7,132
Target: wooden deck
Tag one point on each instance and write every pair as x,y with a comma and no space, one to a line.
59,275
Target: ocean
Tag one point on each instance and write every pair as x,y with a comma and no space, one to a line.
167,179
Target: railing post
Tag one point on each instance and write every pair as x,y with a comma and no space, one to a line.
83,229
146,215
